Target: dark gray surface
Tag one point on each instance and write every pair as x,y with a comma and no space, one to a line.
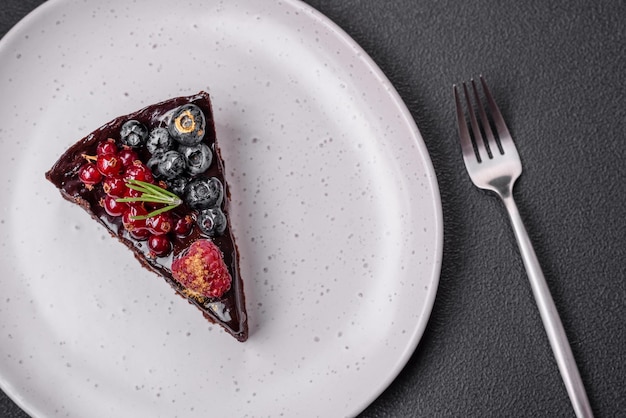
558,71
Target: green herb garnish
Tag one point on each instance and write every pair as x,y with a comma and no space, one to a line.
151,193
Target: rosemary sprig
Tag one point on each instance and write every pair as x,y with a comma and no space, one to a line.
151,193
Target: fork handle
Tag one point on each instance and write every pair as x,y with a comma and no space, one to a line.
549,315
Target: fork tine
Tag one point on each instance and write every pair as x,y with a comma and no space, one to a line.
482,146
498,120
490,139
466,141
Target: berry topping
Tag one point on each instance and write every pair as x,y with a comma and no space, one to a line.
160,245
131,193
183,226
132,218
160,224
89,174
140,234
201,270
109,164
177,185
187,125
107,147
159,139
127,156
198,157
138,171
155,159
212,221
114,186
112,206
171,165
133,133
204,193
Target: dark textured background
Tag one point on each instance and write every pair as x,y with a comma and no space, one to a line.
557,69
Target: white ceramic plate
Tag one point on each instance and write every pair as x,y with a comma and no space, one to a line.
336,208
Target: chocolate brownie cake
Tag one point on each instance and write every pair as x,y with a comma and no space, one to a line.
155,180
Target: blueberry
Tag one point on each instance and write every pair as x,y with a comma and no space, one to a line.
171,165
187,124
153,162
204,193
198,157
177,185
212,221
159,139
133,133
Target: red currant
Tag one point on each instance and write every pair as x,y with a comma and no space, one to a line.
134,224
160,245
183,226
160,224
127,156
112,206
114,186
132,192
107,147
140,234
89,174
138,171
109,165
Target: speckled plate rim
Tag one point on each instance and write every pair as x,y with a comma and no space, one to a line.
435,269
420,327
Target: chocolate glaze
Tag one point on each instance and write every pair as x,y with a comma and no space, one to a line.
229,310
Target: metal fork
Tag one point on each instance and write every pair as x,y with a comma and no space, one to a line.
493,164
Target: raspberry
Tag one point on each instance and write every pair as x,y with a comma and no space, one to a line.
202,270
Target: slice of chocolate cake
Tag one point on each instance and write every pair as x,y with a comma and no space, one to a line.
155,180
